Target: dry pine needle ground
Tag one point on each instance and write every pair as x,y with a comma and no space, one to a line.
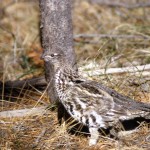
20,50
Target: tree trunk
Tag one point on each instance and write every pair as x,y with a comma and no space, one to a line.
57,36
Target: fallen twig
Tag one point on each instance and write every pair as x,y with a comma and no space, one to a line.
39,137
23,112
111,3
115,36
17,88
132,69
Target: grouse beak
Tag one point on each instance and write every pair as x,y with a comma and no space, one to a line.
45,57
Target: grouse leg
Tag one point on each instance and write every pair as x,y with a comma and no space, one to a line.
94,136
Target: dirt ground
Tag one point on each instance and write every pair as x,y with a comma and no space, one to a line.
20,51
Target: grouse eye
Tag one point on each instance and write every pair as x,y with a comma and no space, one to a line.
52,55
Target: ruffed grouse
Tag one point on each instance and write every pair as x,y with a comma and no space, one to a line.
89,105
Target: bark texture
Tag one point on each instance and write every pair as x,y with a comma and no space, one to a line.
57,36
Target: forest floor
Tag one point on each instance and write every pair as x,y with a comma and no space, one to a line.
120,38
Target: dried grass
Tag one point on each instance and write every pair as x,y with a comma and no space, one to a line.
20,48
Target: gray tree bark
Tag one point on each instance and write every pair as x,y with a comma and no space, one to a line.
57,36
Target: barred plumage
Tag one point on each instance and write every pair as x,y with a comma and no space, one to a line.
89,105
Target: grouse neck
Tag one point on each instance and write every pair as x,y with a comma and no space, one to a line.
63,80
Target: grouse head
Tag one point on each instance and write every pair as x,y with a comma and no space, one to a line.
56,60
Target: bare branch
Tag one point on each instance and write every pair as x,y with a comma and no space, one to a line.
111,3
132,69
116,36
23,112
13,89
39,137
